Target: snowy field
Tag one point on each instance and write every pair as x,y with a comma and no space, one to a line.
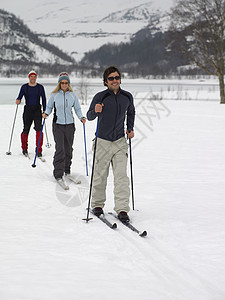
48,252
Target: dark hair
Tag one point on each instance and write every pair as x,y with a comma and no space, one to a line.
108,71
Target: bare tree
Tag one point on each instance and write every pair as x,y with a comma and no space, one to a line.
202,24
83,89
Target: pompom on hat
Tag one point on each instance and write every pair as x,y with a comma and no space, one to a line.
32,72
63,75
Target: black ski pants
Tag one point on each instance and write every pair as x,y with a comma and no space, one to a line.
32,114
64,137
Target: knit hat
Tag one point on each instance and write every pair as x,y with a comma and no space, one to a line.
32,72
62,76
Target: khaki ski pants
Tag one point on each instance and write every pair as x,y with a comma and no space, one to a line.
114,153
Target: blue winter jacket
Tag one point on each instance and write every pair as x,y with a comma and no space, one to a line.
116,108
63,104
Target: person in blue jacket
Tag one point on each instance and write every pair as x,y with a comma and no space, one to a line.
32,92
113,106
63,100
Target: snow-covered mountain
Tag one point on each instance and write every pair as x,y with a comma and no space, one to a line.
79,35
19,43
140,13
78,27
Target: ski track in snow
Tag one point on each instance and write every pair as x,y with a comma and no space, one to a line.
48,252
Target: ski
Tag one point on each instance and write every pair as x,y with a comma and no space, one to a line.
130,226
73,179
42,159
105,220
62,184
26,155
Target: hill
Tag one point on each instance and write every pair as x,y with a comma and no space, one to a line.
79,27
150,52
21,47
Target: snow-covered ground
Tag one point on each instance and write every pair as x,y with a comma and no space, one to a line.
48,252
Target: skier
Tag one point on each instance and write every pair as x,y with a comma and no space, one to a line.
32,92
112,106
63,100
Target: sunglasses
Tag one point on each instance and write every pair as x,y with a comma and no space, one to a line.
111,78
62,82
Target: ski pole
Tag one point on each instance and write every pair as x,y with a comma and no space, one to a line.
85,149
34,165
92,173
48,145
131,175
8,152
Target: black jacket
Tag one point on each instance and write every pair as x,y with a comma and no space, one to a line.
116,108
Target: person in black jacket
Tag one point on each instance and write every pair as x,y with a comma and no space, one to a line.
113,106
32,92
